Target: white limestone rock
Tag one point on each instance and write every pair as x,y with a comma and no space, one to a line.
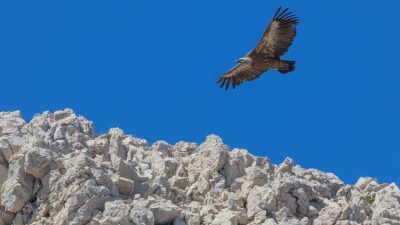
386,205
55,170
141,216
17,189
39,161
116,212
164,212
329,215
211,155
125,186
10,122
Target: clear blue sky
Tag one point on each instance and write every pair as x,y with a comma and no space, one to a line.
150,67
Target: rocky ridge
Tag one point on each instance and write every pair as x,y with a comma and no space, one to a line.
55,170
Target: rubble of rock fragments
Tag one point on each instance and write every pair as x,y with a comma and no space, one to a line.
56,170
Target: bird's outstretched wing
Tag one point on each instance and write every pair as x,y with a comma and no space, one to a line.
279,35
238,75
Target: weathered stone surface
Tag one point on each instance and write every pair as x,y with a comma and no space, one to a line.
125,186
386,205
55,170
141,216
329,214
39,161
10,122
116,212
164,212
17,189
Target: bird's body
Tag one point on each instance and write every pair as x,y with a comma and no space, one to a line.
263,64
267,54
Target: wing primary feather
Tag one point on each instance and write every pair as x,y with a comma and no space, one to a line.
277,11
287,16
234,84
291,19
228,80
239,80
295,19
278,18
223,82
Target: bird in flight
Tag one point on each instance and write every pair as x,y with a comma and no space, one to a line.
267,55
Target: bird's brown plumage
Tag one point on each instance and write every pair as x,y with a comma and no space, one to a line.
275,42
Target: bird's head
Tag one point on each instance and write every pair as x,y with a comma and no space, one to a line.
244,60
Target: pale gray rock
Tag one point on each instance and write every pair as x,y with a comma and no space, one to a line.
141,216
164,212
116,212
236,165
10,122
329,215
386,205
164,148
211,155
6,217
182,149
55,170
261,199
230,217
9,145
17,189
116,149
269,221
354,207
3,174
38,161
125,186
179,221
369,184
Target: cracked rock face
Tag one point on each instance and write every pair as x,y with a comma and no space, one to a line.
55,170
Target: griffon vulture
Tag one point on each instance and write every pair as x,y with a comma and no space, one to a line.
267,54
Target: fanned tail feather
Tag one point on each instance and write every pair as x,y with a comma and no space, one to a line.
286,66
